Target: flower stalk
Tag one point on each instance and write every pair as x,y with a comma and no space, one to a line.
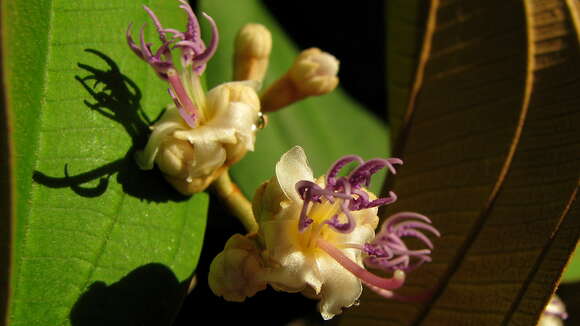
236,202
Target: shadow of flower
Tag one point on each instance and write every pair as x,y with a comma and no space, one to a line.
116,97
148,295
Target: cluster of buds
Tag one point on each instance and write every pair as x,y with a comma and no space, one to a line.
317,235
201,134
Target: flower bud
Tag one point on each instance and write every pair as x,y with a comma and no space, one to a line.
237,273
252,52
313,73
554,314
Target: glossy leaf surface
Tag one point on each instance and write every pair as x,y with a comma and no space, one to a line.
96,241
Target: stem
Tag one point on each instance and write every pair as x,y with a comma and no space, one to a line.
237,203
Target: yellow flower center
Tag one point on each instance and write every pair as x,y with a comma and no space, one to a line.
319,213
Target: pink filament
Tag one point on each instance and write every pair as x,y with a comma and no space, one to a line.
373,281
181,94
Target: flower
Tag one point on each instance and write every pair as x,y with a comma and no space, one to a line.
316,235
200,134
554,313
313,73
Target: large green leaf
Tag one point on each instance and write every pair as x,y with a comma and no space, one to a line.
491,150
95,241
327,127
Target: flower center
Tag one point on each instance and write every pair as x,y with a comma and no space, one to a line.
320,213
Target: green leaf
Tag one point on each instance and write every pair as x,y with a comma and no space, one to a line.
96,240
572,272
491,151
326,127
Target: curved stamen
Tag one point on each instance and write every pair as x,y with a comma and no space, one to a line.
157,24
338,165
365,276
194,51
395,218
346,188
311,192
362,175
132,43
192,30
350,223
388,250
145,47
417,234
201,59
362,202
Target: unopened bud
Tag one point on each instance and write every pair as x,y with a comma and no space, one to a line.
554,314
237,272
252,52
313,73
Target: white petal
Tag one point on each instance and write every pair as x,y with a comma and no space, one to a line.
209,156
169,123
240,117
340,289
293,167
206,134
292,270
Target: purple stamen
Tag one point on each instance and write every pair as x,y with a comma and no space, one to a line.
202,58
194,56
194,51
362,175
388,250
338,165
157,24
365,276
346,188
192,28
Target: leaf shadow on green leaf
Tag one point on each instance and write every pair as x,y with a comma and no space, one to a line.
117,97
149,295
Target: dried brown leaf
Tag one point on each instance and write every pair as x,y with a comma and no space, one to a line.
491,149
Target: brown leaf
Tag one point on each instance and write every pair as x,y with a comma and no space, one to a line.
405,25
490,145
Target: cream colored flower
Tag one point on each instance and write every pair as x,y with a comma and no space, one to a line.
200,135
191,158
317,234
